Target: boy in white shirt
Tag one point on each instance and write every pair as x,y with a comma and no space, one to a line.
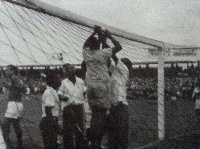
50,112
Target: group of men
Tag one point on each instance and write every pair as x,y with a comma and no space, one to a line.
106,78
103,91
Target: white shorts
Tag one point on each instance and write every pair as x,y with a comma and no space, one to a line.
14,109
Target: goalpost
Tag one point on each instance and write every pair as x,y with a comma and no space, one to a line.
33,31
161,114
64,14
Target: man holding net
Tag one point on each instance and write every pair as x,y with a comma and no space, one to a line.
119,112
98,80
15,88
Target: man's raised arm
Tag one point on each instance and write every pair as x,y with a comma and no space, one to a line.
117,46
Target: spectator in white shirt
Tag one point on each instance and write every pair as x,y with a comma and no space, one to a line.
71,93
50,112
119,112
15,87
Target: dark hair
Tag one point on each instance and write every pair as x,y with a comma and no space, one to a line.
13,68
127,62
65,66
93,43
53,80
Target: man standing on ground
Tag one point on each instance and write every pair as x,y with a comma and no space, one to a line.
71,93
15,88
119,112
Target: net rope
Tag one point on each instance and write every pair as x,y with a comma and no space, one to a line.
42,36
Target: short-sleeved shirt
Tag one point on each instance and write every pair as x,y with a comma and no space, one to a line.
75,92
14,93
96,63
50,99
14,110
120,77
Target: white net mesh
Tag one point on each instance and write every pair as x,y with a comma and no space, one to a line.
32,38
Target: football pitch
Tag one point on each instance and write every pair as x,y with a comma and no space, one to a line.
142,123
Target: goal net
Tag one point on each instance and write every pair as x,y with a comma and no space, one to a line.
37,38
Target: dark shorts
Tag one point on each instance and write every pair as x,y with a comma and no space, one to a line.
49,130
118,126
98,123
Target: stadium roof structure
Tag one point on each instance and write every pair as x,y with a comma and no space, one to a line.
36,33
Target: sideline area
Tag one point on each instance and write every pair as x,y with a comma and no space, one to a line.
191,141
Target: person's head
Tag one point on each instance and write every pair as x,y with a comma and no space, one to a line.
11,70
102,37
69,70
128,63
53,80
93,43
101,33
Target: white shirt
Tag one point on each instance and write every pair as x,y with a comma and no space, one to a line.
120,77
96,62
14,109
75,92
50,99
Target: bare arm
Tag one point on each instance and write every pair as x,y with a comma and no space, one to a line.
105,45
86,44
61,98
117,46
97,30
114,57
48,111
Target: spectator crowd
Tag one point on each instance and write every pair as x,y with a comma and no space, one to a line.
179,82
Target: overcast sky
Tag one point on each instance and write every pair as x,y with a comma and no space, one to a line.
172,21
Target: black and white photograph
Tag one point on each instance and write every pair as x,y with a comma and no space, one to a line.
89,74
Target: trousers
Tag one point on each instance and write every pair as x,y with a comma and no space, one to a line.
6,123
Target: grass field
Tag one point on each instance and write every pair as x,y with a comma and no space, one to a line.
31,118
143,121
